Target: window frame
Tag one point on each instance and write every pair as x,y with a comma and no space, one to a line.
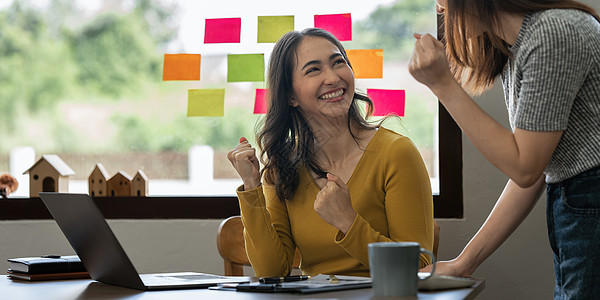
447,204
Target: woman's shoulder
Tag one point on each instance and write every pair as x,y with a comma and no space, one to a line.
388,139
389,135
548,30
557,21
392,150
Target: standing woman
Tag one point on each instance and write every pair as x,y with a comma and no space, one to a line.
547,53
333,183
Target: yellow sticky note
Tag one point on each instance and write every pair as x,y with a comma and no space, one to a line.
206,103
181,67
271,28
366,63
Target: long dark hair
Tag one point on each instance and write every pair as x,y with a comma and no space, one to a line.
479,60
286,140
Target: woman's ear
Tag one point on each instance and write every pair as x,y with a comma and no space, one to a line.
293,102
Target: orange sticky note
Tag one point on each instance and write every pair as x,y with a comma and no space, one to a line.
181,67
366,63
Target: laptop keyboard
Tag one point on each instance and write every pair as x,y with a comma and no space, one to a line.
191,277
162,279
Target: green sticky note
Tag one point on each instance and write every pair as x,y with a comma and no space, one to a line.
245,67
271,28
206,103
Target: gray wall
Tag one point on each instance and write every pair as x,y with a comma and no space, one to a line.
520,269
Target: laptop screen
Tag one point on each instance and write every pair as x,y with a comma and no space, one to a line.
92,239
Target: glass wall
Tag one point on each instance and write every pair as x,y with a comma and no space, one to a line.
83,79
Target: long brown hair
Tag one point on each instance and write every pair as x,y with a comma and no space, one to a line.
477,61
286,140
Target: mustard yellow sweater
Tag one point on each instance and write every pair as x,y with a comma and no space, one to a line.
390,192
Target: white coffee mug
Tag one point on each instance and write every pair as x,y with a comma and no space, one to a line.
394,267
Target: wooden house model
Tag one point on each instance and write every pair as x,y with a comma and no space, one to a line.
97,181
139,184
49,174
119,185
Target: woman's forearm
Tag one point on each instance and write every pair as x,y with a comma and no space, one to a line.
512,208
522,155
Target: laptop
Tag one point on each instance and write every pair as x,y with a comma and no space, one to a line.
101,253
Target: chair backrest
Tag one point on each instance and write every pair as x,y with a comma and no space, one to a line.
436,238
230,243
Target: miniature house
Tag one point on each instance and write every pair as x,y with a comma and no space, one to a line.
119,185
49,174
97,181
139,184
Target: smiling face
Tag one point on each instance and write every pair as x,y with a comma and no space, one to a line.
322,80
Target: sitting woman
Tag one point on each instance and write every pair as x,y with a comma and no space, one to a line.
333,183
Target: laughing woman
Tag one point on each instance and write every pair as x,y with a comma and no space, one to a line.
331,183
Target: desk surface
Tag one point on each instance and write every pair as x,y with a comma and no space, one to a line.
90,289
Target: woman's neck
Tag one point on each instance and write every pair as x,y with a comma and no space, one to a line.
510,25
336,144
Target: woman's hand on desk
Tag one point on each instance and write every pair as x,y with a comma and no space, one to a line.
333,204
244,160
450,267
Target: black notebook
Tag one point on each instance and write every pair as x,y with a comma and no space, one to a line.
46,265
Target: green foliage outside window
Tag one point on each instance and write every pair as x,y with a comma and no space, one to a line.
58,64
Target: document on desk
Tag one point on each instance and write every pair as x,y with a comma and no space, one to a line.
316,284
443,282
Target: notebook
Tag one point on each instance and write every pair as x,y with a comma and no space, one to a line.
96,245
316,284
443,282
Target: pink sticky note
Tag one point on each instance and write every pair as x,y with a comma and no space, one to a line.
226,30
387,101
260,103
340,25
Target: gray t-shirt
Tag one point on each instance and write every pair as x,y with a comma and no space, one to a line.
552,83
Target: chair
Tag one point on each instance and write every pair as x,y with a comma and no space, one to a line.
230,243
436,238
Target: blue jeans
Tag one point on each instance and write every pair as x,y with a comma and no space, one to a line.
573,215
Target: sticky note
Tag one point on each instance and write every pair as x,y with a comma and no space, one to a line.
271,28
224,30
387,101
245,67
367,63
260,102
206,103
181,67
340,25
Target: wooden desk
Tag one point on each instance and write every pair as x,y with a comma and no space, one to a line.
90,289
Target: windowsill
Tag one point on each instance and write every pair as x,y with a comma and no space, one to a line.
162,207
166,207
